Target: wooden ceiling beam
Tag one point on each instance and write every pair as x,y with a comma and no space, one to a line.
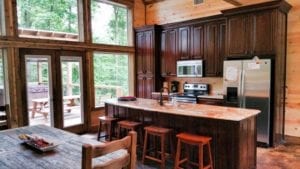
233,2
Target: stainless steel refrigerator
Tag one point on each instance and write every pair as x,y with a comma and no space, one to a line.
247,84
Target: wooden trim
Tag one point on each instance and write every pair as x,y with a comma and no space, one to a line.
128,3
50,44
283,6
233,2
10,17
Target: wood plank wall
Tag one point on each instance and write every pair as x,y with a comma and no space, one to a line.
139,14
169,11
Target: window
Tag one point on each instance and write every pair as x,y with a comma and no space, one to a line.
109,23
2,18
111,76
49,19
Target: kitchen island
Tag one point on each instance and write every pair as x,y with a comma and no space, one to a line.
233,130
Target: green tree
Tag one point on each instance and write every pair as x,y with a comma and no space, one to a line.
51,15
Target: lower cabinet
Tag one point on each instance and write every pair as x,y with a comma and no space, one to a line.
145,86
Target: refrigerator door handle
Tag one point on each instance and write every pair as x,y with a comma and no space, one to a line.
243,89
240,98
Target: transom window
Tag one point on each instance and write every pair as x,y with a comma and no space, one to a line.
49,19
111,76
109,23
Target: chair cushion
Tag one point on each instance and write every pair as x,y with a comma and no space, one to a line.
106,160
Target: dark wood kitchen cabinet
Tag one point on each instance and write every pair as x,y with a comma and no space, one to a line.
169,53
214,47
197,42
251,34
261,30
147,60
145,86
184,39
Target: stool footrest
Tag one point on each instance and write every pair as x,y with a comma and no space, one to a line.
183,160
154,159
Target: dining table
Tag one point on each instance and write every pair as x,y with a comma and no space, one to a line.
14,154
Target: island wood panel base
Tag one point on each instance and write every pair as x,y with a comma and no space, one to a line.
233,142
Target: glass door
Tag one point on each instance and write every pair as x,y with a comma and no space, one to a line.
72,91
39,89
3,114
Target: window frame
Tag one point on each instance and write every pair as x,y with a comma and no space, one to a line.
80,26
130,42
131,81
2,19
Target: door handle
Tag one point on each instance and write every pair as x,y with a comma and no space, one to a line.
243,88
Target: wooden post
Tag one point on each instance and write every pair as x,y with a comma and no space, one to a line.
133,136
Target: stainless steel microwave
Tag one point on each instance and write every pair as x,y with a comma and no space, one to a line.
190,68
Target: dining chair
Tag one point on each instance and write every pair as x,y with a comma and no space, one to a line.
117,154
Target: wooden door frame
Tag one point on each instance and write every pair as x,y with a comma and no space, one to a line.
55,66
77,128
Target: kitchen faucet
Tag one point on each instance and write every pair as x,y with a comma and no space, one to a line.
161,96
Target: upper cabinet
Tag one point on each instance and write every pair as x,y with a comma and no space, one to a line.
169,52
250,34
214,47
197,42
237,36
184,38
145,52
263,32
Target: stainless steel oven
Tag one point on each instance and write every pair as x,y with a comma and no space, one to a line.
190,68
191,91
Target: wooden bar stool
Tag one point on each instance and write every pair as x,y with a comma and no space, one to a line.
196,140
110,125
162,133
128,125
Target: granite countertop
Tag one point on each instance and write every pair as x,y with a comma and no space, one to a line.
188,109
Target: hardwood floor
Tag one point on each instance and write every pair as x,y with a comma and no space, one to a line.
285,156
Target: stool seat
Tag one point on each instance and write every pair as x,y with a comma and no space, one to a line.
162,133
129,124
158,130
193,138
109,122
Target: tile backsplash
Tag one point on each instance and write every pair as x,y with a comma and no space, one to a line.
215,83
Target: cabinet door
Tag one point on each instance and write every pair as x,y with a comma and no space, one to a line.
237,36
148,87
163,53
148,62
140,45
184,43
262,34
197,42
140,85
222,44
171,57
211,49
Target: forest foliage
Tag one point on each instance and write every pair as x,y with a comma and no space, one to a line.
62,16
